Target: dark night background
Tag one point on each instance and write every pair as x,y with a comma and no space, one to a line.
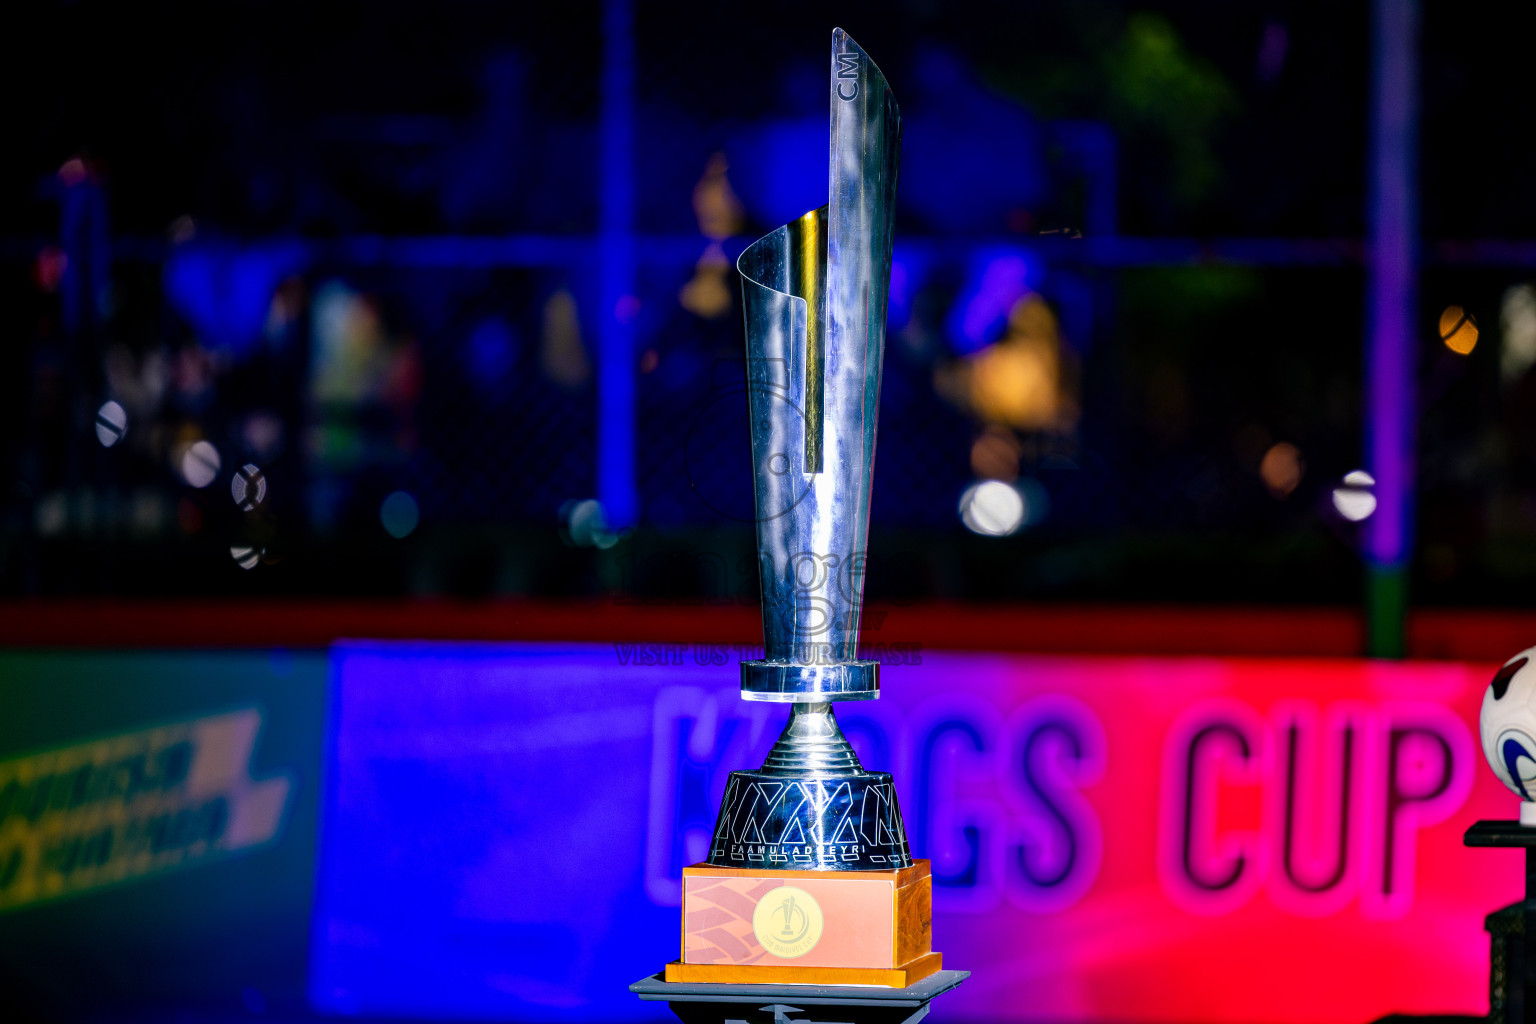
1184,188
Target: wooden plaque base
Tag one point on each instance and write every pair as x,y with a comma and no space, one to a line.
872,927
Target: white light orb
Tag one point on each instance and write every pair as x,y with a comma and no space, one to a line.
1354,503
248,487
199,464
111,424
992,508
246,557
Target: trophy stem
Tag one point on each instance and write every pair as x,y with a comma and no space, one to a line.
812,741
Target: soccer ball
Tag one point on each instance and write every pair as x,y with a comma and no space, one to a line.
1507,723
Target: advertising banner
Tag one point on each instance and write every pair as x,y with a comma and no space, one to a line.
1112,838
157,819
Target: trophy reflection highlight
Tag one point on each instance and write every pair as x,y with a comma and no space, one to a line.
809,879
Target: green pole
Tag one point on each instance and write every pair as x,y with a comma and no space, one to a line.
1386,610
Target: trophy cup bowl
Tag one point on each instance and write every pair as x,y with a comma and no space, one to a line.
814,293
809,879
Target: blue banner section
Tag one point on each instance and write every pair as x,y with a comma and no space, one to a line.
505,828
484,850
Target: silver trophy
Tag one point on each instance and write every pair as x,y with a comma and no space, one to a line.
815,295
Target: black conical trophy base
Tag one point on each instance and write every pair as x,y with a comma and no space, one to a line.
844,822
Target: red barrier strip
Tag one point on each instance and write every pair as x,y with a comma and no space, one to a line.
1104,629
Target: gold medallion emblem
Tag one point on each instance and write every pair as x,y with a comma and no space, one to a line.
787,921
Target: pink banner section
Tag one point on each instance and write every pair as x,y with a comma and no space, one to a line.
1203,840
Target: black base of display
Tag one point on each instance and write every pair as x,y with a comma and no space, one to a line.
798,1004
1512,960
842,821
